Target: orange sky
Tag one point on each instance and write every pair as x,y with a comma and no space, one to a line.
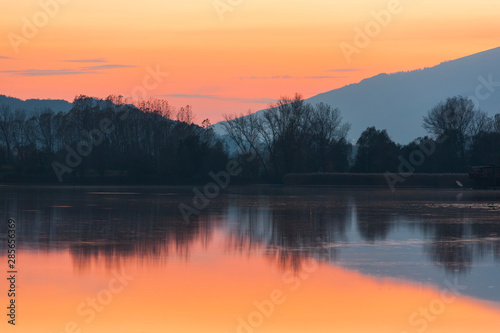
209,292
244,58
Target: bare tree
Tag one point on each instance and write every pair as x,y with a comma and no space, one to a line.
458,121
244,130
288,123
154,105
325,129
206,123
6,120
291,136
481,122
456,114
19,135
496,123
47,125
185,115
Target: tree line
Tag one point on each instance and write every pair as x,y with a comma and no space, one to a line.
108,140
293,136
111,140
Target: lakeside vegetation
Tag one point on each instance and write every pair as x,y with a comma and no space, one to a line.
430,180
296,137
108,141
111,141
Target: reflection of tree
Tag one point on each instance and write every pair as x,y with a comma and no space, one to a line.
488,239
111,227
289,228
457,240
449,248
290,231
374,227
298,235
374,220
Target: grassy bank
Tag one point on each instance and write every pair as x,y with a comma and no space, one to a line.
436,180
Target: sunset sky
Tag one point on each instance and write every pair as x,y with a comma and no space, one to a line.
224,58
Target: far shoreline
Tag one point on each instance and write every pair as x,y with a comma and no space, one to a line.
379,180
333,180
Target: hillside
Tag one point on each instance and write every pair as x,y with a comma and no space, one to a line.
31,105
397,102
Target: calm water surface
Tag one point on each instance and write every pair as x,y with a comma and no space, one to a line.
256,259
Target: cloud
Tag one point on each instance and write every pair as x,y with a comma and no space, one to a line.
8,58
53,72
284,77
47,72
221,98
324,77
193,96
287,77
344,70
91,68
257,100
87,60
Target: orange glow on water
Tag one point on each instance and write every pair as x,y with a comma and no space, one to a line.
214,291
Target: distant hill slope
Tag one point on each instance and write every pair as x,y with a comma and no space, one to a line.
30,105
397,102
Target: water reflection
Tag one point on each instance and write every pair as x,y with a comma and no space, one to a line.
289,228
285,225
341,260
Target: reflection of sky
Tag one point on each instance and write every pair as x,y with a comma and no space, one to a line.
403,253
217,291
373,240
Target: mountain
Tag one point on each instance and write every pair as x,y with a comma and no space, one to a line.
31,105
397,102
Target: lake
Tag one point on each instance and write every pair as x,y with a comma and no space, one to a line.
253,259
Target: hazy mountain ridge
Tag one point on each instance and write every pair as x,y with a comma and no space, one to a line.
31,105
398,101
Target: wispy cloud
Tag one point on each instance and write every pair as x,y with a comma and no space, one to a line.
87,60
193,96
8,58
288,77
257,100
283,77
47,72
91,68
72,71
312,77
344,70
222,98
325,77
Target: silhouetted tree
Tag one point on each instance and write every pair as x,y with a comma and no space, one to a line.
376,152
456,121
496,123
328,136
291,136
139,145
485,149
6,123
